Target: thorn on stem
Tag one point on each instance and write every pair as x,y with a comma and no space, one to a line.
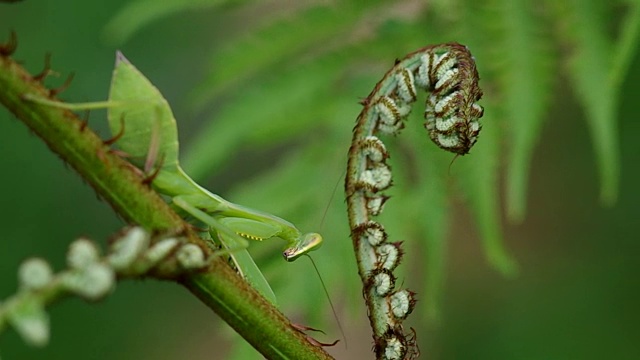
101,155
117,136
303,328
149,179
85,121
46,71
63,87
10,46
321,344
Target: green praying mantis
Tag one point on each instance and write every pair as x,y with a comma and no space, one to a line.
146,128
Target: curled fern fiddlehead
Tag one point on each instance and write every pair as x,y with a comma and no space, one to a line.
448,72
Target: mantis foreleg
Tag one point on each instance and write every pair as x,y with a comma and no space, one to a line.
235,246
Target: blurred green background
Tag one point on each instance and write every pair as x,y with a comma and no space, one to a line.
284,126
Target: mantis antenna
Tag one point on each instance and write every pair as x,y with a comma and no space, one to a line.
333,309
324,215
333,193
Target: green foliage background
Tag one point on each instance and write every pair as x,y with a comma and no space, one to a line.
266,96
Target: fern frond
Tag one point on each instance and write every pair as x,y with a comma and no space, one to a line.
589,69
525,78
480,179
276,46
479,182
138,14
282,102
627,44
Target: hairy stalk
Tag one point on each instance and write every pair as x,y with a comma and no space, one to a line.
218,286
449,73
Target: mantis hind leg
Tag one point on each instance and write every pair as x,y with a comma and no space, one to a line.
235,246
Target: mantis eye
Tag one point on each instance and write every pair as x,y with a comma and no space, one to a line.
308,242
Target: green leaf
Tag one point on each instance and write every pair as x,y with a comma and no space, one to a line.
277,45
525,78
479,183
137,14
627,45
277,108
479,177
433,223
589,70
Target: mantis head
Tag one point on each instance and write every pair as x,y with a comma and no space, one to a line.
308,242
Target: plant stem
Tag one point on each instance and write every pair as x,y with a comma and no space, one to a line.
116,181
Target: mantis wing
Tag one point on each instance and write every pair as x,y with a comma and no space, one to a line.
144,113
251,229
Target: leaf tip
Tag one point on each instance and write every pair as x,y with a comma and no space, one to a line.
505,265
516,212
608,196
120,58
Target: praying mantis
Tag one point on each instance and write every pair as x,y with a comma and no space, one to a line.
147,130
